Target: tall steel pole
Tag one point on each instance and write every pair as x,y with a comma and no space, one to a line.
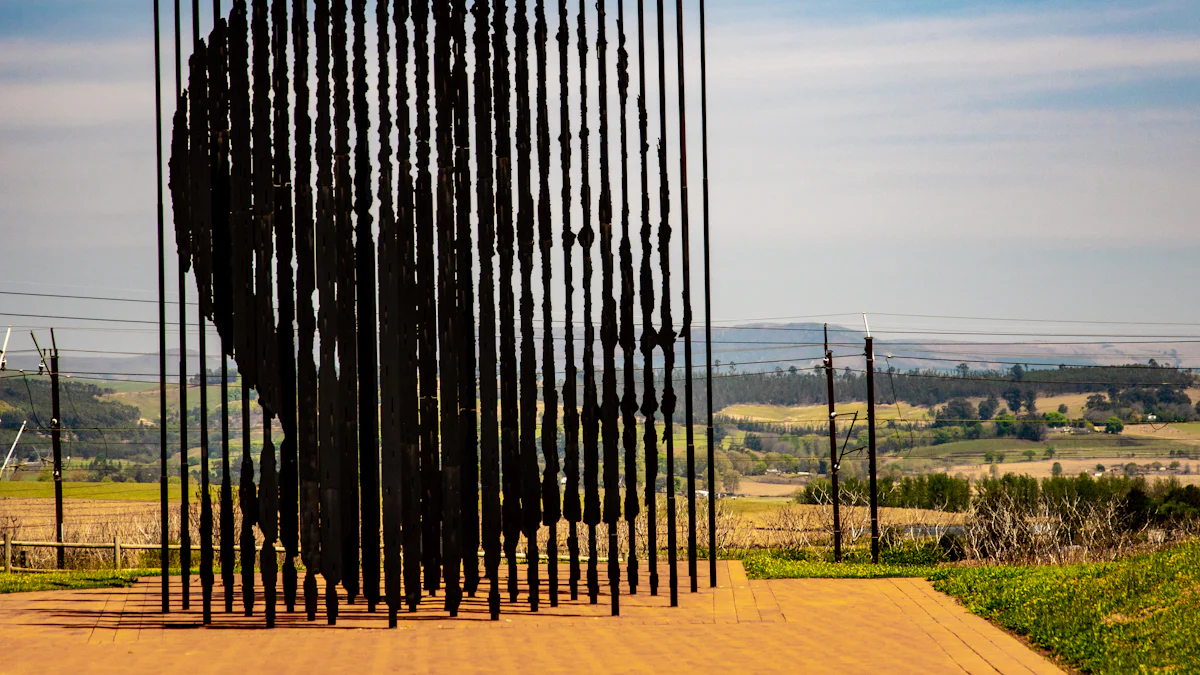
185,536
712,491
687,305
164,552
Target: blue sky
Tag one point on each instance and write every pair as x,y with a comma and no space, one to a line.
1028,159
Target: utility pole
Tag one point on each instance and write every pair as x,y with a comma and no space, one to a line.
55,442
13,448
871,442
4,349
833,451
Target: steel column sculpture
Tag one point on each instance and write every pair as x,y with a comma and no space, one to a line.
389,421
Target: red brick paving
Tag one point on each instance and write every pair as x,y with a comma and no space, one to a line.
795,626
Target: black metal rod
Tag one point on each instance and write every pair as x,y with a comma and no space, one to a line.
206,524
666,333
248,503
708,381
686,236
164,507
368,371
551,509
431,505
179,162
510,424
226,496
348,395
570,504
390,467
629,406
185,533
268,513
591,422
531,513
285,286
489,447
649,336
408,399
306,370
468,481
447,298
329,433
610,404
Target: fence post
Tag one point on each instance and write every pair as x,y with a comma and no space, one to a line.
7,552
117,552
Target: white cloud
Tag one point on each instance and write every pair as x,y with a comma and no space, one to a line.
925,127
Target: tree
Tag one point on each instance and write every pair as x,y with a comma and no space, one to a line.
1099,468
1031,431
1113,425
1029,454
1018,373
1029,398
1050,452
1013,398
989,456
731,480
1055,420
963,369
1062,408
1056,470
1005,424
956,409
988,407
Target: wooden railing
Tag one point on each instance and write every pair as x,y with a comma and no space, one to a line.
116,546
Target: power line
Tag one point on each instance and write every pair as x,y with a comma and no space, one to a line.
85,297
1070,321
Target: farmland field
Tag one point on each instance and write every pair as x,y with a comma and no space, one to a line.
83,490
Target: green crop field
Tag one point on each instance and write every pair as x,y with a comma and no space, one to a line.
72,490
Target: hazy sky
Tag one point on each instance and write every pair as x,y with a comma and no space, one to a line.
1024,159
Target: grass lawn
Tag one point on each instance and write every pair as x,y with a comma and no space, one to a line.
121,491
1140,614
59,581
1135,615
770,567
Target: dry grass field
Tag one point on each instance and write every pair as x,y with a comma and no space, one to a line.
1043,468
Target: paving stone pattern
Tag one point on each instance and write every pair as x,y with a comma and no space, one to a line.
795,626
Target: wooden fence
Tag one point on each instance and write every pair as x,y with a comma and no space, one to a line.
115,546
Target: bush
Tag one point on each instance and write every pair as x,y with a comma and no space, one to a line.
936,491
